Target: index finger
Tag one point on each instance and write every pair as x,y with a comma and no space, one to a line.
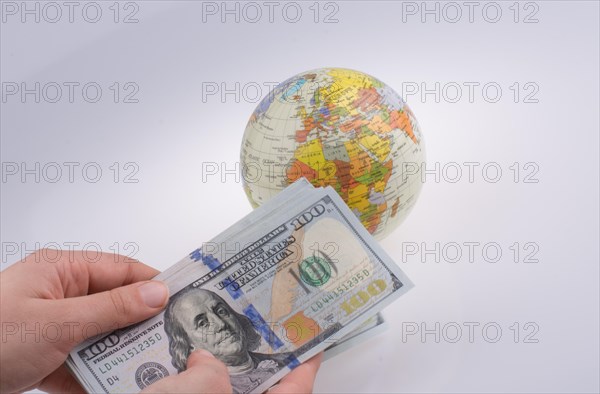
80,273
74,273
114,270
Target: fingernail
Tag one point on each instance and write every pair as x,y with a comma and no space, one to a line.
204,353
154,294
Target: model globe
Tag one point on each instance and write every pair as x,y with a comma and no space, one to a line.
340,128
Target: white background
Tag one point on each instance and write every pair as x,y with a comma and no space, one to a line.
170,52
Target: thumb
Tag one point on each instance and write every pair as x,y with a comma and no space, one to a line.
109,310
204,374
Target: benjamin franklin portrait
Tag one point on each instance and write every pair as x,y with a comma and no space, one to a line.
200,319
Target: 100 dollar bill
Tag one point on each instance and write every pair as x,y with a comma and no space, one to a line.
307,275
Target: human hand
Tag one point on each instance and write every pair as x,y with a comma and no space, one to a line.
301,379
52,300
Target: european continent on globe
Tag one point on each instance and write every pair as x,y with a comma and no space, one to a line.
340,128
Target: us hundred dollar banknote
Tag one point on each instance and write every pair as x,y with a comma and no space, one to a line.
284,283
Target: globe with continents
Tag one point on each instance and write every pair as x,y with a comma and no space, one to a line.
340,128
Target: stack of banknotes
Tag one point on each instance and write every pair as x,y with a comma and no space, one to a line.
297,276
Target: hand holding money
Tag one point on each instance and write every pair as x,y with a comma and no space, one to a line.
40,325
291,279
52,300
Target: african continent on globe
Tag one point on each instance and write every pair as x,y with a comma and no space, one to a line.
341,128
